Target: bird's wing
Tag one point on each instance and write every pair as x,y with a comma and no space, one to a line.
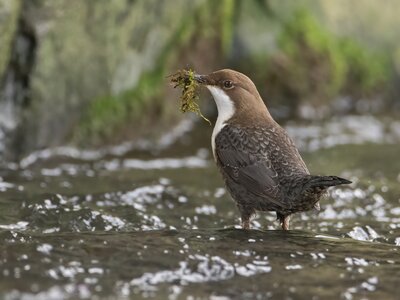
244,160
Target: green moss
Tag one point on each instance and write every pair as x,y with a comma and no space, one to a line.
367,70
185,80
313,65
105,115
312,48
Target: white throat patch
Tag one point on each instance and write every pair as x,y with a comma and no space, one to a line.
226,109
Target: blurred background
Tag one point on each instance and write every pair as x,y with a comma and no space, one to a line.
108,191
91,73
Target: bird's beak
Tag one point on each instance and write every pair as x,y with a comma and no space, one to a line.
201,79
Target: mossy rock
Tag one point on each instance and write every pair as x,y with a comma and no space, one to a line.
100,68
313,66
145,103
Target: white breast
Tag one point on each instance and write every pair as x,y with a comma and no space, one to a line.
226,109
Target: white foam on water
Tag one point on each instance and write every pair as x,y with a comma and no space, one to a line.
21,225
360,234
208,269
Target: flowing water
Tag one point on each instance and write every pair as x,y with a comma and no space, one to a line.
154,221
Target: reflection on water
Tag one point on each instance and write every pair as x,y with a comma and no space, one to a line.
129,223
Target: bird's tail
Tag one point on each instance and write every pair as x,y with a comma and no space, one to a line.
324,182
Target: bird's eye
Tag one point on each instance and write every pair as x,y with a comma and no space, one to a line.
228,84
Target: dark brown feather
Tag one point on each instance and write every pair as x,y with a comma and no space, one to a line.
263,169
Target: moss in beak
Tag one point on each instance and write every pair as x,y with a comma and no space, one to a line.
189,82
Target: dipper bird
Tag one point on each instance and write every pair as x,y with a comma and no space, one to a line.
260,164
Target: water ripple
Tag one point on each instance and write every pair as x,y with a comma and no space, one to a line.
119,150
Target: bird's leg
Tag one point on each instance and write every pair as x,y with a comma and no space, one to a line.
245,222
283,220
285,223
245,215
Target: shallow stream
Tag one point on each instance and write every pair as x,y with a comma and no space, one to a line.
141,220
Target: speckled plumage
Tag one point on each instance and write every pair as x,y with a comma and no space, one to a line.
263,170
